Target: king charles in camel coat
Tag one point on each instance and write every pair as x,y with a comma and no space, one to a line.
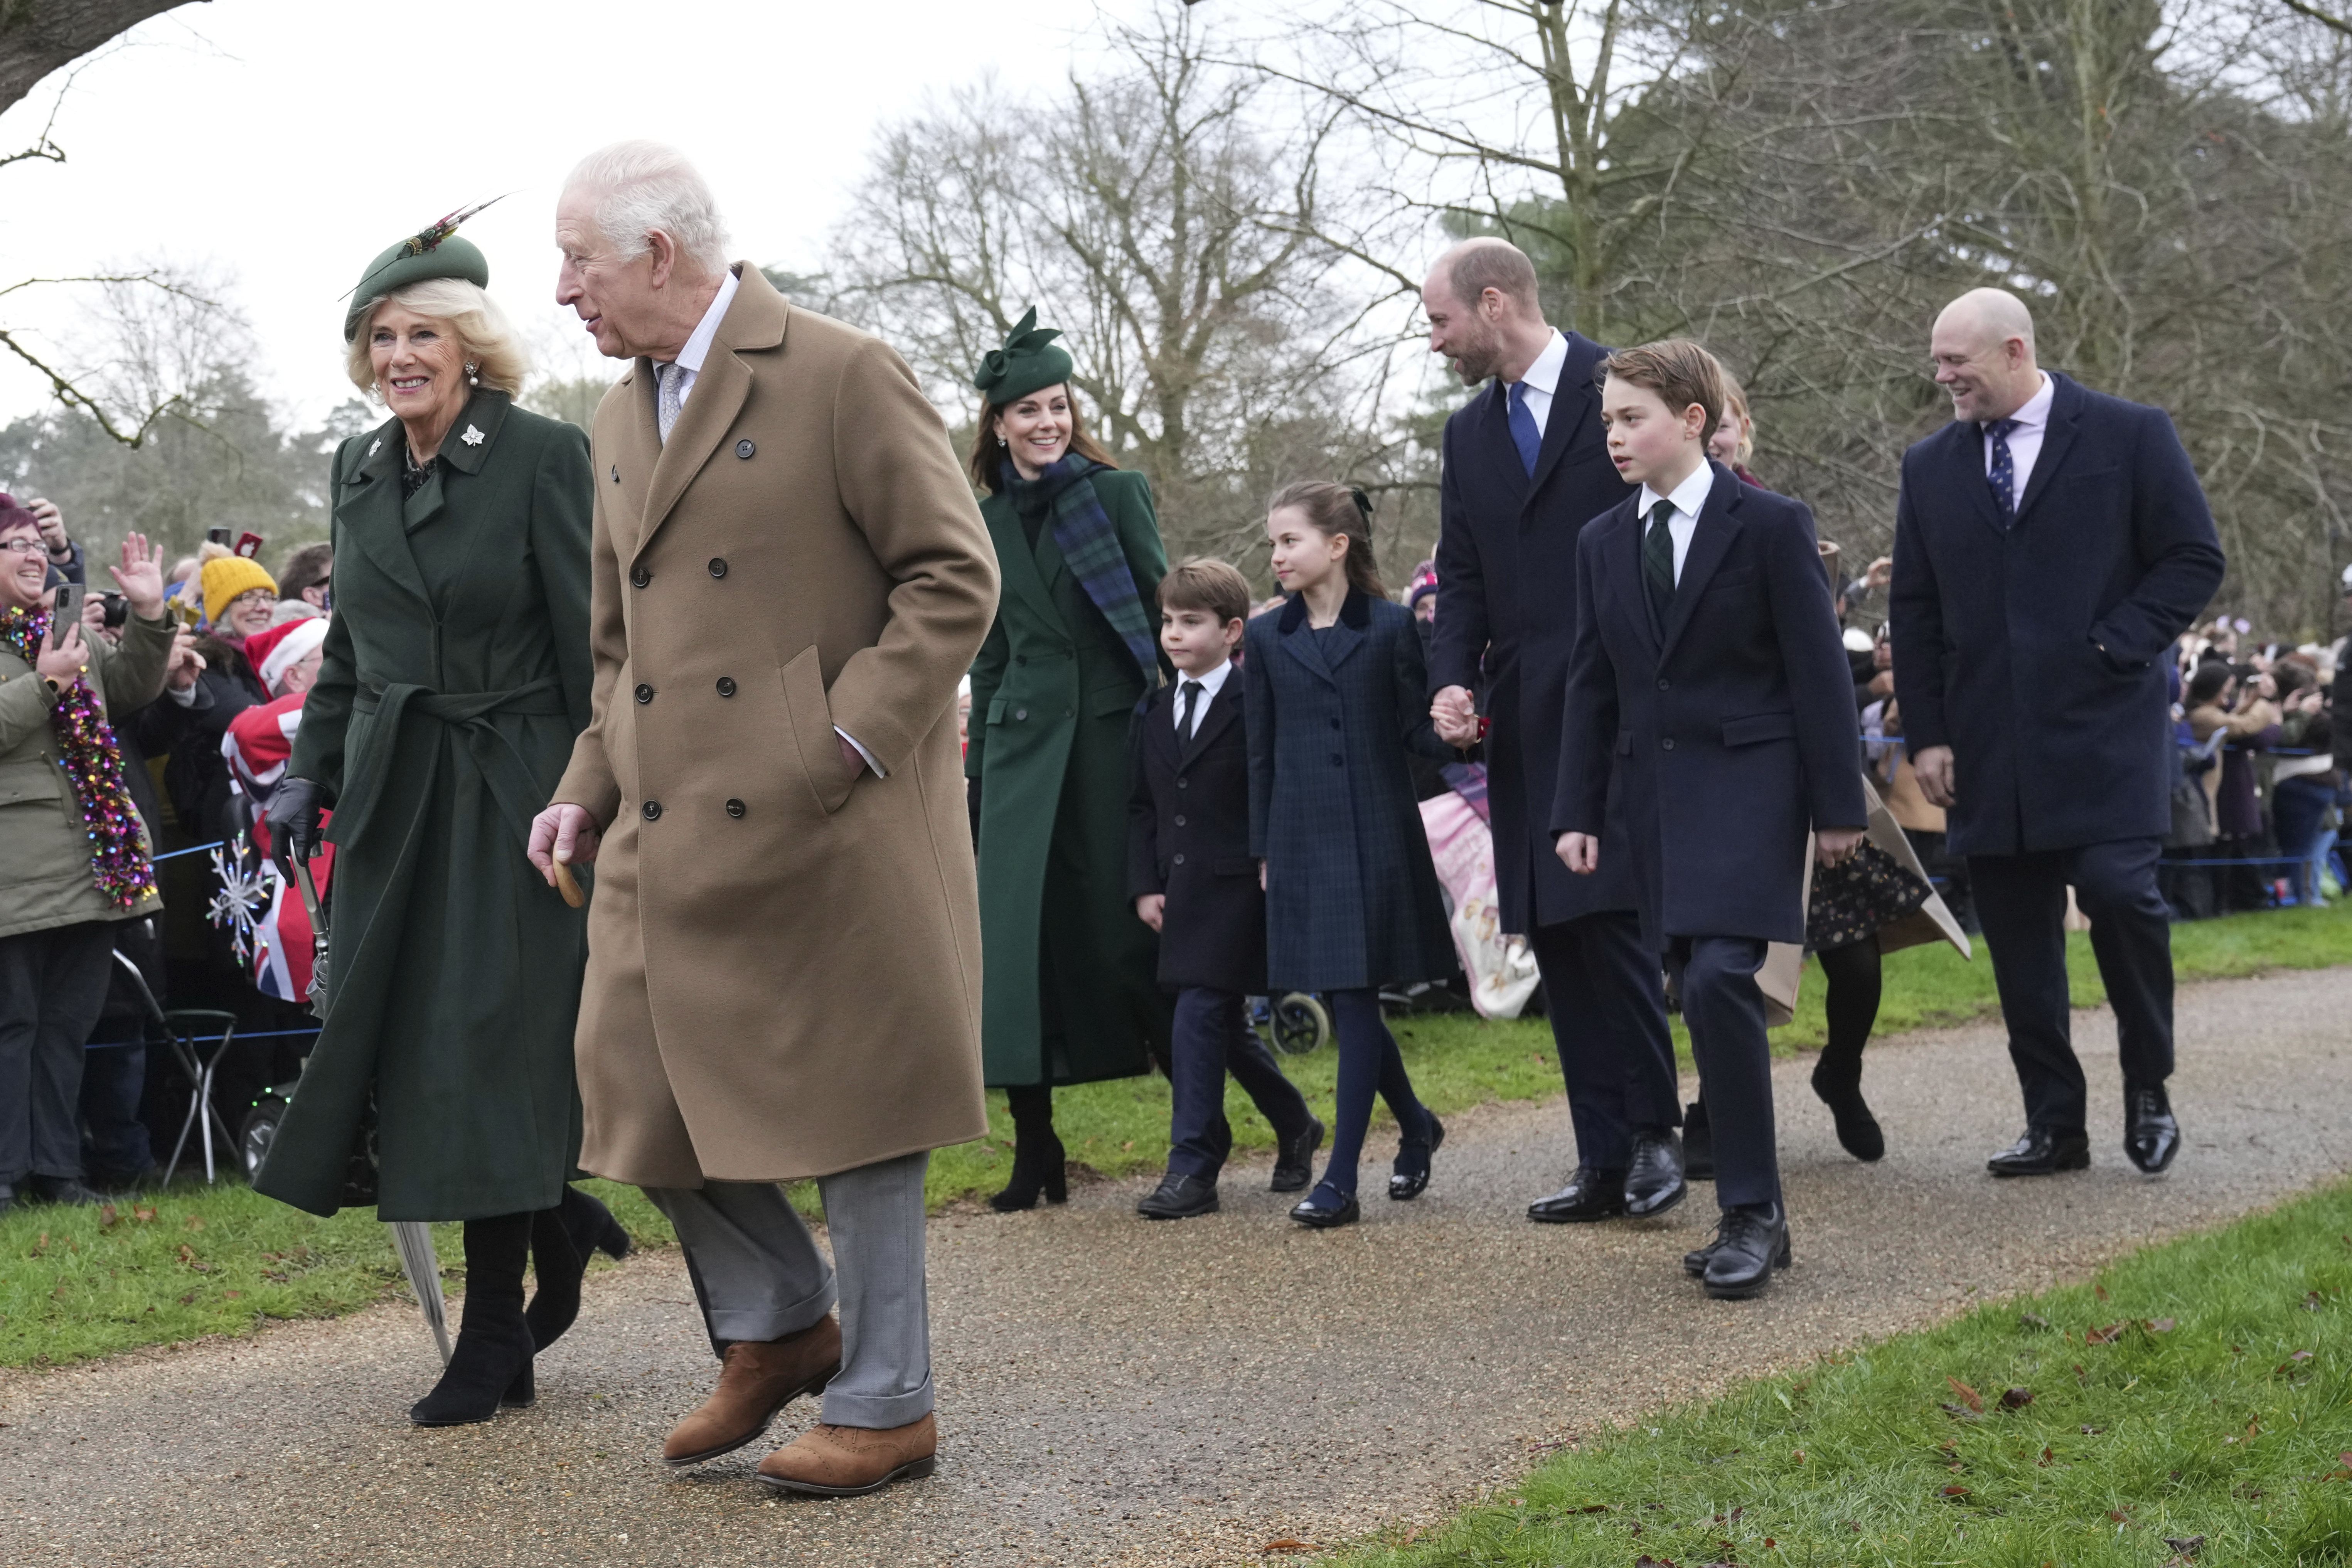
783,976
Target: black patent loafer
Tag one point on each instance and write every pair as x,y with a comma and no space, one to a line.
1294,1162
2151,1137
1590,1196
1653,1182
1326,1209
1748,1248
2042,1152
1412,1162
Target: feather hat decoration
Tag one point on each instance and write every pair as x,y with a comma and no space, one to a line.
434,251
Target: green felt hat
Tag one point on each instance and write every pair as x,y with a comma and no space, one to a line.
1030,359
435,252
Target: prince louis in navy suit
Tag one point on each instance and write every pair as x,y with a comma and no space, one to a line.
1194,881
1709,691
2050,544
1526,469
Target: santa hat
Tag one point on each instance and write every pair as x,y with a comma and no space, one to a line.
280,648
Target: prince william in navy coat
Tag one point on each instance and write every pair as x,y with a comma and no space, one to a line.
1526,469
2050,544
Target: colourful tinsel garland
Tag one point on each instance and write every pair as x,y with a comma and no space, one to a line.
93,765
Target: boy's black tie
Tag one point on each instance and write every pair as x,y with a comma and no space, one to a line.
1658,559
1192,696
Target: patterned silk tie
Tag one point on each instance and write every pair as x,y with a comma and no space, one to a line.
671,398
1524,434
1193,690
2002,473
1658,559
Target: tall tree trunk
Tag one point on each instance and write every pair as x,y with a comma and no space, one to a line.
36,37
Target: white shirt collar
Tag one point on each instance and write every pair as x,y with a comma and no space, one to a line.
1210,682
698,347
1544,375
1688,495
2036,414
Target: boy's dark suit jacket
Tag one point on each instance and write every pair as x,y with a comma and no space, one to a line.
1188,836
1732,724
2036,652
1506,585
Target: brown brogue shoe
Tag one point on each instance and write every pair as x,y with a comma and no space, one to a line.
756,1379
847,1461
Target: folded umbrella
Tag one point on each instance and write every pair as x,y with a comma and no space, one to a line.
413,1239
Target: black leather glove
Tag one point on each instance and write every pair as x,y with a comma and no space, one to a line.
293,819
972,805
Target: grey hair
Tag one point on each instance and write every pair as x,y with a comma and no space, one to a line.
641,186
488,340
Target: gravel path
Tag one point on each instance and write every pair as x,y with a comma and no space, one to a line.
1119,1392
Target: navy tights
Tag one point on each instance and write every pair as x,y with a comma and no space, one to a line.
1369,1062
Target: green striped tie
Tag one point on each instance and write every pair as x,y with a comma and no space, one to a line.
1658,559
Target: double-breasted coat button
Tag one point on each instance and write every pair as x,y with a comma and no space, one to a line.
744,450
1664,683
1668,742
1337,761
1020,713
1180,858
639,576
1020,658
1184,783
735,807
718,566
1335,724
645,692
725,686
1180,820
652,810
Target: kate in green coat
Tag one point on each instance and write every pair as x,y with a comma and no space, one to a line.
1069,992
456,674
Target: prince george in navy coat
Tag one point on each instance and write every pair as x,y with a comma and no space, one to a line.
2050,544
1709,681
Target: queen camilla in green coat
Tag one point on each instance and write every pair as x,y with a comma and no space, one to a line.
456,674
1070,993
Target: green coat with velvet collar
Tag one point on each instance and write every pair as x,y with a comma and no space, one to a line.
455,675
1053,693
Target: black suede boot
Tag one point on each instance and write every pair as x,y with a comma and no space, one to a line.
1038,1159
562,1238
491,1365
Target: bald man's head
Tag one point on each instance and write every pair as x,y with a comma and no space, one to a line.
1484,311
1983,351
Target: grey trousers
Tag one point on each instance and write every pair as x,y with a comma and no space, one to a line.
759,1276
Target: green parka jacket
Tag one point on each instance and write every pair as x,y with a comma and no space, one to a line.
45,872
455,675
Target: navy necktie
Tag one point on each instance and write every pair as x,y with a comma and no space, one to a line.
1524,434
1193,690
2001,475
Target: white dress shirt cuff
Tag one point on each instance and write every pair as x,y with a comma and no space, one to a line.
879,771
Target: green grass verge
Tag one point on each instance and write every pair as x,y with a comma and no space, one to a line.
95,1288
2200,1389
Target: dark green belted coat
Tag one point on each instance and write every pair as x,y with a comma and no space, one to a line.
1068,988
455,675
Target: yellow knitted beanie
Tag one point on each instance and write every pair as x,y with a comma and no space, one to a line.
226,577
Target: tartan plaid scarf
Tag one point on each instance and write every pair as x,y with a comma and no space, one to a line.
1089,544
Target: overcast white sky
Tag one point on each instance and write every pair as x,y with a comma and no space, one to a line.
291,139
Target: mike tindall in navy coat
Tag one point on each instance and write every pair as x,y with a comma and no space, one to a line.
1506,592
2029,648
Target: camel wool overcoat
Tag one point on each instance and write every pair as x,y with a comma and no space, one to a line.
783,972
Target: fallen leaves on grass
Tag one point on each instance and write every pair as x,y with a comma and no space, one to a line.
1968,1396
1287,1543
107,1217
2033,1320
1955,1491
2016,1398
2160,1325
2047,1456
2105,1336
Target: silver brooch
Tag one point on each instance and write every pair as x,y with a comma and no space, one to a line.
373,445
472,437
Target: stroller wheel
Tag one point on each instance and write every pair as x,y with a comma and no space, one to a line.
1301,1024
258,1128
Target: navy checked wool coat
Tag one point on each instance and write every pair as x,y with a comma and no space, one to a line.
2036,652
1352,895
1731,725
1506,604
1188,838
